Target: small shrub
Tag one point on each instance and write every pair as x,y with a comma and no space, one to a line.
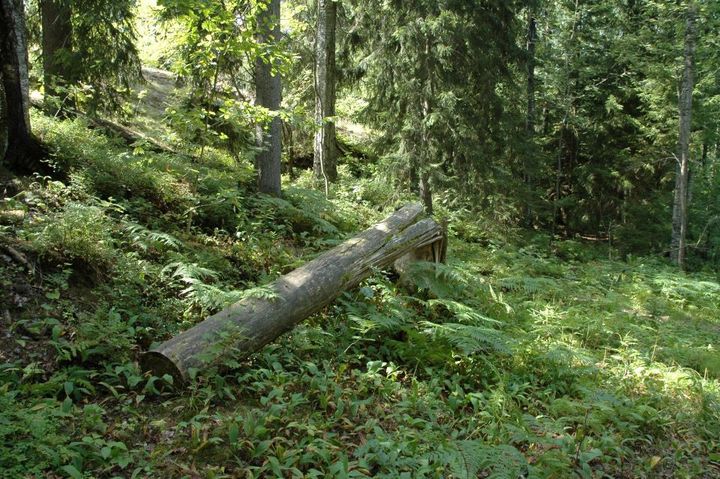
79,234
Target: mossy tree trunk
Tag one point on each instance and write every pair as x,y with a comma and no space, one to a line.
255,321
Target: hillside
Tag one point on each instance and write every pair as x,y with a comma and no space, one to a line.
359,239
519,357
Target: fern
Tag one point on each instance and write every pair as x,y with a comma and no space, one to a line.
370,319
146,238
463,313
194,278
188,273
469,339
301,218
442,280
208,297
468,459
528,284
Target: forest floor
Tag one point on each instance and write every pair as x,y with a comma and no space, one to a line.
519,358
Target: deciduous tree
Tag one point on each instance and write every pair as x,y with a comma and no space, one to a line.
325,159
681,194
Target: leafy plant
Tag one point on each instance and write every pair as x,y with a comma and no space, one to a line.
77,233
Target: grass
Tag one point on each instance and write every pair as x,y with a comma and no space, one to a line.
515,358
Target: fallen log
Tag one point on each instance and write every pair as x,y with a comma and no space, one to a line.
127,134
131,136
255,321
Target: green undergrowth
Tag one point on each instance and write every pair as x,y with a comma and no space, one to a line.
518,358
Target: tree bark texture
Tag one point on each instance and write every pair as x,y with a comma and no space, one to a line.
268,94
325,160
56,44
253,322
15,120
681,196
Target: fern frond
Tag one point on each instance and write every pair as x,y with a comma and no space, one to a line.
500,462
442,280
528,284
469,339
145,237
368,317
189,273
462,313
197,291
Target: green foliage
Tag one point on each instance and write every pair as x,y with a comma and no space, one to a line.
527,354
146,239
77,233
437,116
216,43
506,361
473,457
100,59
196,291
31,435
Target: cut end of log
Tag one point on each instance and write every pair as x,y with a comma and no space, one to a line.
159,365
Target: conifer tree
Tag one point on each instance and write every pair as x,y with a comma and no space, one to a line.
88,42
434,69
56,46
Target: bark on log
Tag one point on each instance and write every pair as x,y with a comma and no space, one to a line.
251,323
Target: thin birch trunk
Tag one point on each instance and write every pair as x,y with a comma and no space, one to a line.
681,197
325,160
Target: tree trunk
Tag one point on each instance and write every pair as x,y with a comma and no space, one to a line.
531,41
56,45
530,117
426,192
268,94
429,93
15,119
681,197
251,323
3,118
325,162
